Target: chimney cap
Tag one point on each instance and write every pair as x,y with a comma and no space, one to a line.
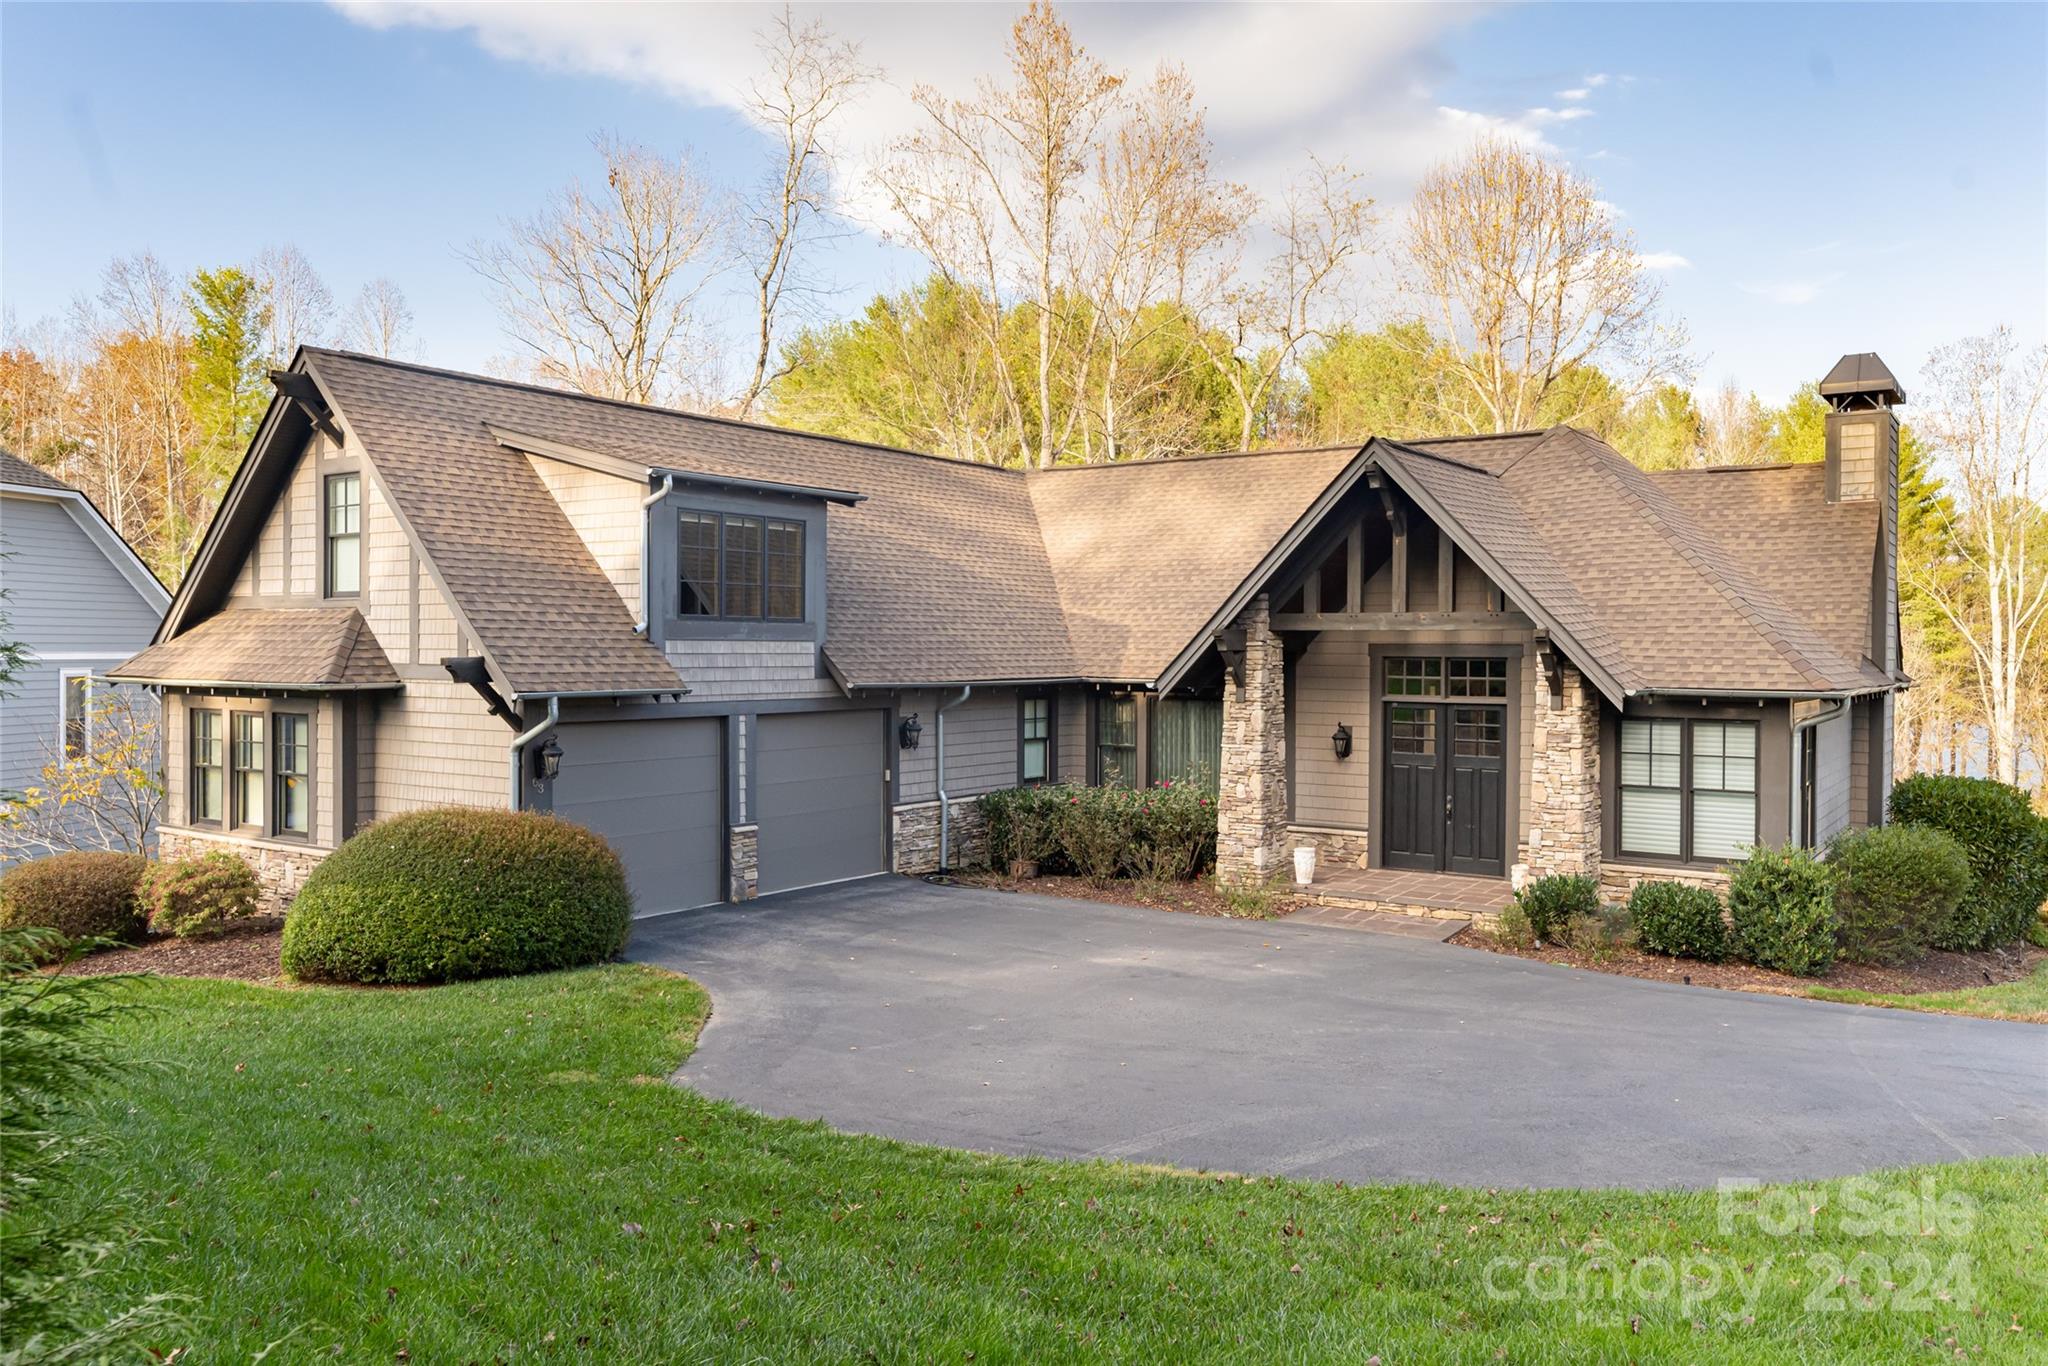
1861,376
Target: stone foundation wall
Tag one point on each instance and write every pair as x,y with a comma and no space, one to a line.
1251,803
1564,777
281,871
1334,848
916,841
742,862
1617,880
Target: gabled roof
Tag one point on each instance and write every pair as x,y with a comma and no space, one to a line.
311,649
18,476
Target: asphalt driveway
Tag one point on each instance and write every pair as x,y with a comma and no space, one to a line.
1026,1024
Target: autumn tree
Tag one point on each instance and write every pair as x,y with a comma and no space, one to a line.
811,77
1987,420
599,290
1522,267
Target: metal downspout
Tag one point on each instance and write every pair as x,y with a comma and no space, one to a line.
945,803
516,752
668,486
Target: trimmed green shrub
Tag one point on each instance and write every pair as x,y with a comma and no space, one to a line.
1163,832
1896,889
85,895
2006,843
194,897
1781,908
1559,908
453,893
1678,920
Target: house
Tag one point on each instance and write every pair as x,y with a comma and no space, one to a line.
79,599
1463,656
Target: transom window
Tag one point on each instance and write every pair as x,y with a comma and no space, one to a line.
1415,677
1034,740
1116,742
740,568
344,527
1688,788
1425,676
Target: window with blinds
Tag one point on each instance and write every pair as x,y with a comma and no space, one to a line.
1688,788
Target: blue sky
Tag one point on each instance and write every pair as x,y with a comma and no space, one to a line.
1834,178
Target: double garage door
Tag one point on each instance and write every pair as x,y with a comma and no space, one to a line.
656,790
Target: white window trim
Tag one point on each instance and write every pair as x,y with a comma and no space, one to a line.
64,681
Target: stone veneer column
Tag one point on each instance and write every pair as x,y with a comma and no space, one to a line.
1564,777
1251,805
743,849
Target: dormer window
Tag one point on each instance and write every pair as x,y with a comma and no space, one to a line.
739,568
344,535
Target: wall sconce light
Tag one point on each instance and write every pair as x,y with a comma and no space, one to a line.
908,731
547,761
1340,741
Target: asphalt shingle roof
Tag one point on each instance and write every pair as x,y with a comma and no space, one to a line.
297,647
15,470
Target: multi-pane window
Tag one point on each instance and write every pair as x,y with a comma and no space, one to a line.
209,779
1116,742
1478,732
76,703
1475,678
1688,789
291,771
745,568
344,534
1411,731
1652,787
245,765
1415,677
697,557
785,593
1723,788
1034,754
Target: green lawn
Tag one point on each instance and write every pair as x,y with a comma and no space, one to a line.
498,1172
2026,999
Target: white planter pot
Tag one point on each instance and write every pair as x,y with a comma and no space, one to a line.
1305,865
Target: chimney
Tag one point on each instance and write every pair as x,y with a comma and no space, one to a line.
1863,467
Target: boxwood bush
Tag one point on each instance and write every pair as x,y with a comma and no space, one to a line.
193,897
452,893
2005,842
83,895
1166,831
1896,890
1679,920
1560,908
1781,909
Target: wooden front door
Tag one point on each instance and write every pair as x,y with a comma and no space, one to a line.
1445,789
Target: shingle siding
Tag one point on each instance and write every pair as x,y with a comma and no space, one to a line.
1332,686
725,670
432,745
981,745
605,512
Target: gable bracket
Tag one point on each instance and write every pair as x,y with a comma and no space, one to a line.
1230,645
302,391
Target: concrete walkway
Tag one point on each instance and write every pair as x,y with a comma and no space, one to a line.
1026,1024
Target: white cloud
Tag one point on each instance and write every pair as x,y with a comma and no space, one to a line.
1662,260
1540,115
1577,93
1598,78
1792,293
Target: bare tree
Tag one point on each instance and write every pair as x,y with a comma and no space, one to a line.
1522,267
600,287
1988,422
301,309
1738,430
811,76
1322,229
380,321
988,188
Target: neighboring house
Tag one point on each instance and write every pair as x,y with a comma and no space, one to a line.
81,601
1467,655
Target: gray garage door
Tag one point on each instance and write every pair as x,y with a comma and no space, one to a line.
819,797
654,789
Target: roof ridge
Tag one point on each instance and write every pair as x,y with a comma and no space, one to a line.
1440,456
1704,554
1155,460
656,408
1739,469
1479,436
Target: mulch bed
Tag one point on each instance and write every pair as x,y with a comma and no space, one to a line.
244,952
1190,898
1942,971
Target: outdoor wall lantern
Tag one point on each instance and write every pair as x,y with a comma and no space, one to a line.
1340,741
908,732
547,761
